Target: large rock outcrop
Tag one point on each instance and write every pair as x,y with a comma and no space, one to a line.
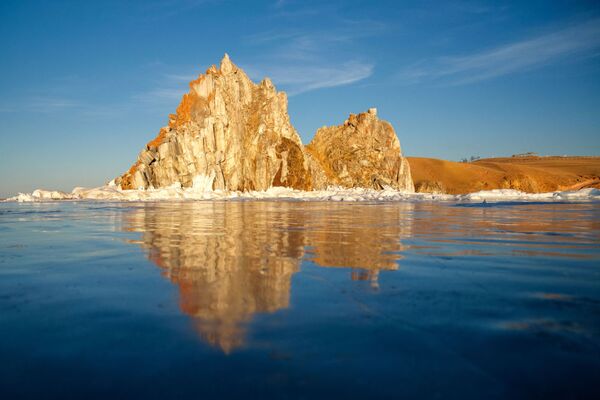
227,133
363,152
232,134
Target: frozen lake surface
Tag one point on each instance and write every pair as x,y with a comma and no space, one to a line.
293,299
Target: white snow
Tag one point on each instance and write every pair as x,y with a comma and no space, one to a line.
511,194
201,190
203,183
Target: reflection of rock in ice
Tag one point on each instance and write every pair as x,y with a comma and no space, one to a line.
232,260
225,259
368,239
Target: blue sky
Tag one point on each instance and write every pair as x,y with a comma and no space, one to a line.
84,85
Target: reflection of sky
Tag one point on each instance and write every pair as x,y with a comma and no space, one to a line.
461,78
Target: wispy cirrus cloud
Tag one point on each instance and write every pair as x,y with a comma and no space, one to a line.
159,96
40,104
300,79
51,104
579,40
169,89
304,60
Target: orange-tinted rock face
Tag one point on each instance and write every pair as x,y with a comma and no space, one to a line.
363,152
237,135
235,132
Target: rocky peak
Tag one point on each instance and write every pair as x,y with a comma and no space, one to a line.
226,65
232,134
362,152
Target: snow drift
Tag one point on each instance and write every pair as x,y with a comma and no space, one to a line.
200,191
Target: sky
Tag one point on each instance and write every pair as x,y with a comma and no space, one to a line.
84,85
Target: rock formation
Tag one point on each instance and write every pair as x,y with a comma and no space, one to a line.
363,152
232,134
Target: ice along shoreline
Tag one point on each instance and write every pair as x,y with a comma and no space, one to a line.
200,192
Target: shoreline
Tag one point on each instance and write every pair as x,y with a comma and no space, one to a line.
177,193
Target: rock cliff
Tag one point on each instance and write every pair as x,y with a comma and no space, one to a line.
363,152
232,134
227,133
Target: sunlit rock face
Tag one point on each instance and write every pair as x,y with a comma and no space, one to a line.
229,133
362,152
233,132
233,260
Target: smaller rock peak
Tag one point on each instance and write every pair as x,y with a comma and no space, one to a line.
372,111
226,64
267,83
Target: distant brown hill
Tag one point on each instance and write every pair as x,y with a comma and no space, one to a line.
529,174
